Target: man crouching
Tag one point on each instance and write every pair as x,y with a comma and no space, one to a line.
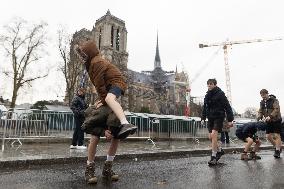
101,121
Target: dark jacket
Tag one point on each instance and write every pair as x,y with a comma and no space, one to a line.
78,107
102,73
216,105
282,130
247,130
270,108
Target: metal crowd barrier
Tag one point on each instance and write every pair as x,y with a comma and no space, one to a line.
35,124
153,126
50,124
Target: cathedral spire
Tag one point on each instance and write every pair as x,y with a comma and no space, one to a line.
157,63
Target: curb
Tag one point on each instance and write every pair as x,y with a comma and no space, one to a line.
121,157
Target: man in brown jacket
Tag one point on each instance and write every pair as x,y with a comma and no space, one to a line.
108,81
110,85
269,112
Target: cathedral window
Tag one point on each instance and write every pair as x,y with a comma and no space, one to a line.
100,38
111,36
117,39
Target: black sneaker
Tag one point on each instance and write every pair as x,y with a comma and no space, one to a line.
213,161
219,154
126,129
277,154
280,150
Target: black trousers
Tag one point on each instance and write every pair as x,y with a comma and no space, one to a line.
78,135
225,137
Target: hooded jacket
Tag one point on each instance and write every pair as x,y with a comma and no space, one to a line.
102,73
216,105
270,108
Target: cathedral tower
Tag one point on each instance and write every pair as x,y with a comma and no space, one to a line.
111,37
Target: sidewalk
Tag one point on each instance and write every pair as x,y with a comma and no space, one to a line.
49,153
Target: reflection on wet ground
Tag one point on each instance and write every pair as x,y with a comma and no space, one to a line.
54,150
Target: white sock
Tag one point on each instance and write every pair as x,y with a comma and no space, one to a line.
124,121
278,148
214,153
110,158
89,162
219,149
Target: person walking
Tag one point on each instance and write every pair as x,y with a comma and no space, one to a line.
216,106
269,112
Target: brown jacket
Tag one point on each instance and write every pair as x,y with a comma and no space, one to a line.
270,108
102,73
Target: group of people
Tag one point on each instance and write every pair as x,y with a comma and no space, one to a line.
106,116
217,108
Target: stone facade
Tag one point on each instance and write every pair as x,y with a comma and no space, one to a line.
156,91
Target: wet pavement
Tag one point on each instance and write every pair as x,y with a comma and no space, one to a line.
191,172
40,151
57,150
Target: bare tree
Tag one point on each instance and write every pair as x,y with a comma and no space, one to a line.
250,112
23,44
70,69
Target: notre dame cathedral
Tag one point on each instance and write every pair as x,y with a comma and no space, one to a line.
157,91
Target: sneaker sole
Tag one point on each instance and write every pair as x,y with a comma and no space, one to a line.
95,181
126,133
212,164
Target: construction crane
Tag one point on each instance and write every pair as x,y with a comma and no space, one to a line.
225,46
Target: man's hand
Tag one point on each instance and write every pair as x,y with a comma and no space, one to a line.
230,124
98,104
267,119
108,135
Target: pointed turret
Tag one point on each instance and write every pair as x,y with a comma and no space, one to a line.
157,63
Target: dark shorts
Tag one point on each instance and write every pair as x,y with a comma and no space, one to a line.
215,124
116,91
99,131
244,138
273,127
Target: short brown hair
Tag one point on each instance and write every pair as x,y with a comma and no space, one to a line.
214,81
263,91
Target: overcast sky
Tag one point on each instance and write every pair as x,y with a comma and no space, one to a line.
181,25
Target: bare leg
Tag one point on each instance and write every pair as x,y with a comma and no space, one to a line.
113,147
256,146
277,141
92,148
116,107
270,138
214,140
248,144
